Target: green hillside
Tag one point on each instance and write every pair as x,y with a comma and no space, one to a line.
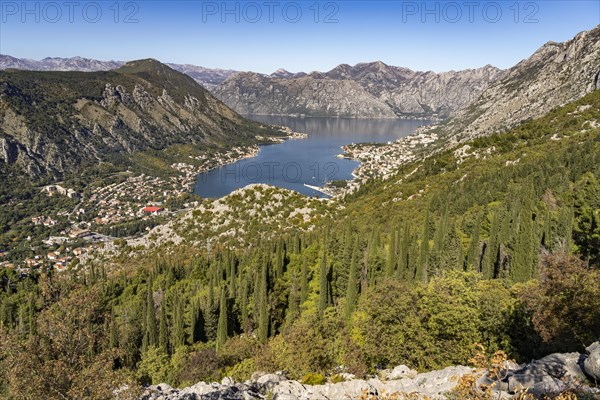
496,242
53,124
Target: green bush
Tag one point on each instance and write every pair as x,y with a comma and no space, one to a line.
385,327
155,367
241,371
313,378
201,365
336,378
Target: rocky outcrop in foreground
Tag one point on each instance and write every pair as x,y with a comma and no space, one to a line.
552,374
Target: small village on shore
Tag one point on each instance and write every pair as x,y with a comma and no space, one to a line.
144,201
131,204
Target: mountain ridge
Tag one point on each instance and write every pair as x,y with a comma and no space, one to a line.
554,75
52,123
366,90
380,90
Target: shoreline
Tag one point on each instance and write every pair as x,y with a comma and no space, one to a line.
403,118
319,189
372,164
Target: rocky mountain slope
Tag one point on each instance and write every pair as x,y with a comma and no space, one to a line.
554,75
57,122
367,90
252,93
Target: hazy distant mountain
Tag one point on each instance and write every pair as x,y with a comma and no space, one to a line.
282,73
364,90
58,64
205,76
56,122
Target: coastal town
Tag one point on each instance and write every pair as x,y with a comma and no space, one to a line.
382,160
124,201
141,202
132,204
127,206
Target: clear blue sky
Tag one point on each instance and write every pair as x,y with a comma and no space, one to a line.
265,35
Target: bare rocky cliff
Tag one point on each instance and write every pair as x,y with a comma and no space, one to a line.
366,90
554,75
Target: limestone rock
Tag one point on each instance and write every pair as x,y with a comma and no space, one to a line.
402,371
592,362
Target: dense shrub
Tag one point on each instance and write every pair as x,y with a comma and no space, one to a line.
565,305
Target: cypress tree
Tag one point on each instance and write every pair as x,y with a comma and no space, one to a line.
347,246
6,312
232,276
323,284
222,333
243,303
197,332
391,258
21,322
504,238
352,290
403,254
522,268
113,336
451,255
546,239
263,323
364,271
473,262
277,262
492,247
440,234
194,319
304,281
178,323
92,277
293,301
565,228
211,292
372,264
163,334
256,294
150,335
421,272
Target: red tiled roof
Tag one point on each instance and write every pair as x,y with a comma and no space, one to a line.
151,209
